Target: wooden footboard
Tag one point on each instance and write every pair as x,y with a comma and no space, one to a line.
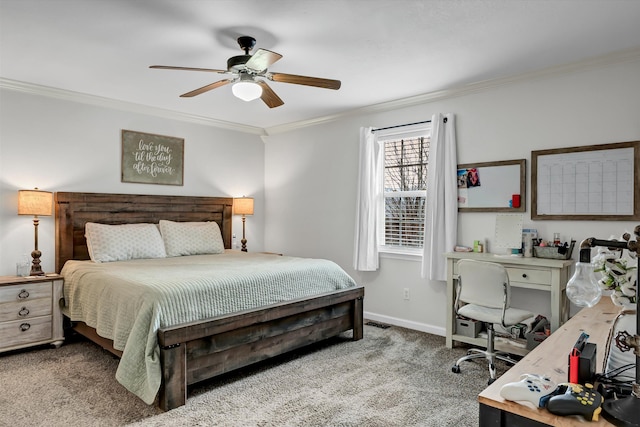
196,351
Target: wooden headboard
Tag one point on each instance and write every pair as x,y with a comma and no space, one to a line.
74,210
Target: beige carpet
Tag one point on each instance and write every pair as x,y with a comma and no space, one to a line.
393,377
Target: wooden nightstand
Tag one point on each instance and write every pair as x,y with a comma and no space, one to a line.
30,311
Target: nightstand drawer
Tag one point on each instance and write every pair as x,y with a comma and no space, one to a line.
27,309
25,331
25,291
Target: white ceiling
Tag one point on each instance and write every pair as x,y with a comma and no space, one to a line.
381,50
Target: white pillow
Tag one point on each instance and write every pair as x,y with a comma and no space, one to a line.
191,238
108,243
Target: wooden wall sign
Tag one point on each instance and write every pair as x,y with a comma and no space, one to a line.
152,159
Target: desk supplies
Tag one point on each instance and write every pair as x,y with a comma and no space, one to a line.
582,361
574,362
528,237
538,332
554,252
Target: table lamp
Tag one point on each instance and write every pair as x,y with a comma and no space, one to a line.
37,203
243,206
624,411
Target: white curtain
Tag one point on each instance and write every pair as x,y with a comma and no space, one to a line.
370,173
441,216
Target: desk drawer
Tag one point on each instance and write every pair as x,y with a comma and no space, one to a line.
525,275
529,276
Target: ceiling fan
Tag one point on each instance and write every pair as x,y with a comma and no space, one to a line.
248,74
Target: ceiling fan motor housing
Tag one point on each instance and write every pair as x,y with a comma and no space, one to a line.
236,63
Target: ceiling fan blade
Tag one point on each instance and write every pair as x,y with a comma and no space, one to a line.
262,59
168,67
206,88
304,80
269,96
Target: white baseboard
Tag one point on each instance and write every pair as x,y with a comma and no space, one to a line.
422,327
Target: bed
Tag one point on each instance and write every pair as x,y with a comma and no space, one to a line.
192,351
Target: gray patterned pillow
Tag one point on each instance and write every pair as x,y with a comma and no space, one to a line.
108,243
191,238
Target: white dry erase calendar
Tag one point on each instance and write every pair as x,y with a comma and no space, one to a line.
590,182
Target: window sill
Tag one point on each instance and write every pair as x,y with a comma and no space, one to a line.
408,256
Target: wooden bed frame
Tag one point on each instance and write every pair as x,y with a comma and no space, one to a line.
196,351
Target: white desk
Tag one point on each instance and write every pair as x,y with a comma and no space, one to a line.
549,275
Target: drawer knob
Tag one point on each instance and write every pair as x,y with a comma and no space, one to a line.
25,327
524,275
24,312
23,294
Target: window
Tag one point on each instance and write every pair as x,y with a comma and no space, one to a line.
405,190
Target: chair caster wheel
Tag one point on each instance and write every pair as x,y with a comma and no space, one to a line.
455,369
491,381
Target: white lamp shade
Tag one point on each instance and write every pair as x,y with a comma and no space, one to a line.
247,91
243,206
35,202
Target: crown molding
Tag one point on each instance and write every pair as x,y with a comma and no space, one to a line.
84,98
627,55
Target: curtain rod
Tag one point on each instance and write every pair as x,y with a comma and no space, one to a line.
399,126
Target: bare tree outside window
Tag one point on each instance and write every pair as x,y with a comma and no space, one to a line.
405,185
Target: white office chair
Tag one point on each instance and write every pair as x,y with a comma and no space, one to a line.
484,288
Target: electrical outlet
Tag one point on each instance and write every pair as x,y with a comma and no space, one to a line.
406,293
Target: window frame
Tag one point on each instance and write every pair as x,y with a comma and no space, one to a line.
394,251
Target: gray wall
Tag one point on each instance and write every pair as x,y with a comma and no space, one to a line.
311,175
61,145
304,179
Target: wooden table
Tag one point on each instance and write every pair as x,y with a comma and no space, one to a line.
549,358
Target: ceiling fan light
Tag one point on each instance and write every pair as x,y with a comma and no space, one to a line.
247,91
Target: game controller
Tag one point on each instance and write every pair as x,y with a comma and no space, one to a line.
531,388
575,399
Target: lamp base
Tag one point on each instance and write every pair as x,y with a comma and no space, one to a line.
36,269
623,412
244,240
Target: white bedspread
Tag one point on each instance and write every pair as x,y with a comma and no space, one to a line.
128,301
